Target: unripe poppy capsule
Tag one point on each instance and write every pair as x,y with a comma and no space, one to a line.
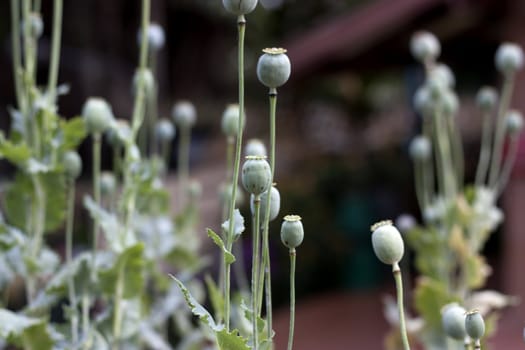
165,130
97,115
453,321
184,114
255,147
486,98
230,120
108,183
514,122
239,7
72,164
387,242
509,58
256,175
425,46
274,67
292,231
275,203
420,148
474,325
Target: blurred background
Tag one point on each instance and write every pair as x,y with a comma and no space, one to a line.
343,126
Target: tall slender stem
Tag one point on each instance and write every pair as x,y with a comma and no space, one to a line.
17,57
85,317
399,286
484,153
96,196
255,268
184,160
69,259
117,312
55,50
497,149
508,164
241,24
292,298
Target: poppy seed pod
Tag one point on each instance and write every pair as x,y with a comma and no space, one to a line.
425,46
420,148
119,134
387,242
424,103
108,183
453,321
509,58
156,37
443,72
256,175
514,122
230,120
486,98
275,203
450,102
72,164
239,7
97,115
274,67
37,25
292,231
147,79
184,114
255,147
165,130
474,325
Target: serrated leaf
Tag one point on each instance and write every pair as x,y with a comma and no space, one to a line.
230,259
429,297
215,295
231,340
238,224
196,308
129,267
73,132
20,330
17,154
20,195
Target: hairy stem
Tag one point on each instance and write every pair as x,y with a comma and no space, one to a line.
399,287
292,298
241,24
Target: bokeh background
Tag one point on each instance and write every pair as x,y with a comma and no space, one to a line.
344,122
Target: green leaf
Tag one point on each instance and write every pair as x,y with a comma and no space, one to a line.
196,308
476,271
231,340
73,132
129,265
215,295
20,195
430,296
79,268
20,330
17,154
230,259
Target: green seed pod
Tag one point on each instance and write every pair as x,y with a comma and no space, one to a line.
239,7
420,148
230,120
443,72
425,46
387,242
509,58
184,114
147,79
37,25
156,37
119,134
256,175
424,103
97,115
275,203
453,321
255,147
486,98
514,122
450,102
292,231
72,164
108,183
474,325
274,67
164,130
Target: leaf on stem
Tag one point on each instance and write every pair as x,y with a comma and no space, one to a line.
30,333
230,258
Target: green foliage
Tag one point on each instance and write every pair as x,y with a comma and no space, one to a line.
429,297
128,266
15,153
71,133
30,333
230,259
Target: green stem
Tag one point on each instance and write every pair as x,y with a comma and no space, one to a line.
477,344
184,160
241,25
255,267
96,196
508,164
497,150
69,259
268,295
456,149
399,286
85,316
17,57
292,298
37,5
55,50
484,153
420,190
117,312
443,142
